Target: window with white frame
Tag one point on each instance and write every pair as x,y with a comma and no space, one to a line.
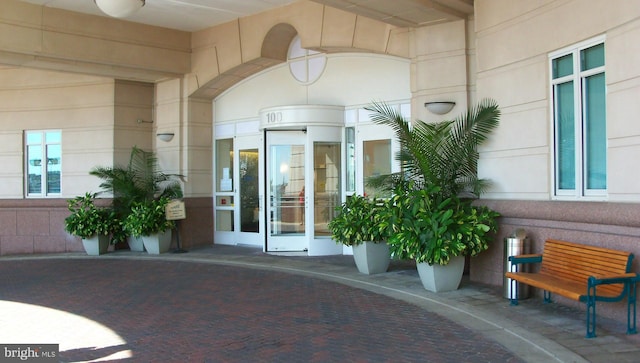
43,151
579,120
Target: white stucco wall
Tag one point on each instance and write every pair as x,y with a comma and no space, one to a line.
80,106
514,39
348,79
97,117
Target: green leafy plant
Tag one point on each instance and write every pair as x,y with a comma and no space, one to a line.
87,220
425,229
476,225
357,221
147,218
430,217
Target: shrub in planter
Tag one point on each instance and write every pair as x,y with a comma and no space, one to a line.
437,234
357,220
357,224
139,182
91,223
423,228
430,218
86,219
147,218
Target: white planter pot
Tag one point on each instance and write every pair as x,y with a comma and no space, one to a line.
157,243
136,244
96,245
371,258
442,278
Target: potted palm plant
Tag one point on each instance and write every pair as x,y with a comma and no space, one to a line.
148,221
431,217
91,223
139,182
357,224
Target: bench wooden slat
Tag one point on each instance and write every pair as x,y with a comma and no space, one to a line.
584,262
613,262
578,262
560,286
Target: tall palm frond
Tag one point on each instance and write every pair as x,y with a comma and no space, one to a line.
143,165
443,154
137,182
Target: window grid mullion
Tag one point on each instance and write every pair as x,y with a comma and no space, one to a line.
43,167
579,126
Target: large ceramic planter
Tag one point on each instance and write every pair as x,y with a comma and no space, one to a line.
442,278
96,245
371,258
136,244
157,243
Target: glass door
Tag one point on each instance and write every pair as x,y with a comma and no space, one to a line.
326,184
248,214
224,195
286,196
238,209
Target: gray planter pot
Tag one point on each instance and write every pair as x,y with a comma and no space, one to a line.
441,278
136,244
96,245
371,258
157,243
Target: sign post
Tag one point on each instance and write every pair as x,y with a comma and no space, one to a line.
175,211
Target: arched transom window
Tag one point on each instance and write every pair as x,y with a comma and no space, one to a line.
306,65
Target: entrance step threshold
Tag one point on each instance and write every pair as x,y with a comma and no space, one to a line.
291,253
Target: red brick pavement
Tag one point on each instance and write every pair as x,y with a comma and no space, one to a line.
170,311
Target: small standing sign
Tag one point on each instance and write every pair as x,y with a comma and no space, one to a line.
175,211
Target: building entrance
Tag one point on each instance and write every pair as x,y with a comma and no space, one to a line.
303,158
280,188
303,188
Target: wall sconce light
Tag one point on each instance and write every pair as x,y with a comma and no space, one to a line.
119,8
439,107
165,136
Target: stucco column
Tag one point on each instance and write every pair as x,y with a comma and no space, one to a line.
439,59
189,154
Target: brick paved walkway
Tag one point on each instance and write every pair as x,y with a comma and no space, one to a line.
232,304
173,311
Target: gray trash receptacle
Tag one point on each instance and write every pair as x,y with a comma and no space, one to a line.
514,246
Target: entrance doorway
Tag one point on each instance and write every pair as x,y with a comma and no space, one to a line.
279,189
303,188
286,197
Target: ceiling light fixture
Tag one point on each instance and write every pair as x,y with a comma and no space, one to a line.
119,8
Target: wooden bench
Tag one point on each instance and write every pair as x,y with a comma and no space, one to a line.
582,273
